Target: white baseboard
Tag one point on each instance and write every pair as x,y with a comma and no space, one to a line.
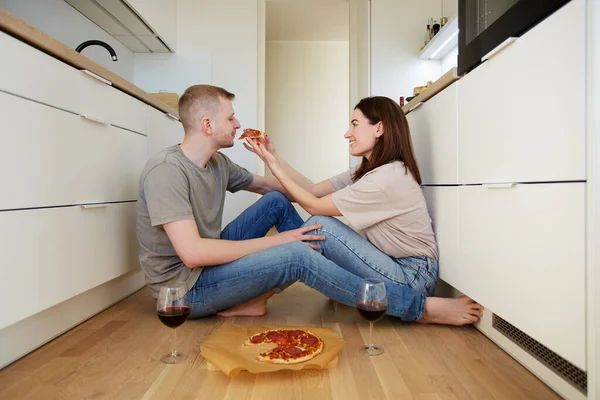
19,339
545,374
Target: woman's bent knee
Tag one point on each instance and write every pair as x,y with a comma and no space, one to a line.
327,223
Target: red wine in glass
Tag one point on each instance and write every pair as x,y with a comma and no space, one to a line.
173,309
372,311
174,316
371,301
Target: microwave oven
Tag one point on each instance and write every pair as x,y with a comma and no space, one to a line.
485,24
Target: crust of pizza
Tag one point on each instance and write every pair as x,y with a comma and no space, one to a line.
293,360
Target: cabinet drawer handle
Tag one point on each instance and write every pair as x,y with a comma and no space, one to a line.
419,104
499,185
499,48
91,206
97,77
94,118
172,116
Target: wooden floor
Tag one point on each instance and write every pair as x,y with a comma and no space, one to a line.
115,355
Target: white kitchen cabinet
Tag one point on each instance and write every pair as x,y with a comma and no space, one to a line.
521,114
52,157
37,76
50,255
161,16
521,254
443,210
164,131
72,150
434,136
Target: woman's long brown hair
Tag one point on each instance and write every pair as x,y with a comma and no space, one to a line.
395,143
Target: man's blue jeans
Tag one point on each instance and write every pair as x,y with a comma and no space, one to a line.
222,286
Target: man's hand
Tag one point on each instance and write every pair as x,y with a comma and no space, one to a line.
299,234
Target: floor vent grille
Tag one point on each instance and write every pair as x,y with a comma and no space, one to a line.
569,372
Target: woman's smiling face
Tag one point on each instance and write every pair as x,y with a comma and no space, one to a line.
362,135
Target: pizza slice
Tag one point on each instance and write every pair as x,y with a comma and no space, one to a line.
250,133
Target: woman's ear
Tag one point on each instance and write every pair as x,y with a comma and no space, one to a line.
379,130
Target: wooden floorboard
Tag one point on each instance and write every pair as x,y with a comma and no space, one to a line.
116,355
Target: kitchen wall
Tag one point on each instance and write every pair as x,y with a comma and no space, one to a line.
61,21
450,60
397,33
217,43
307,91
307,97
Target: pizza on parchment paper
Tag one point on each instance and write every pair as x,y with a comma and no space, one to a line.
292,345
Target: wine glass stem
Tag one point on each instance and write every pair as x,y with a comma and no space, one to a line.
370,334
174,342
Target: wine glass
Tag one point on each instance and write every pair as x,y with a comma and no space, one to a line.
371,301
173,309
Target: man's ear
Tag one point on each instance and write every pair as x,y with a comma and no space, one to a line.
206,125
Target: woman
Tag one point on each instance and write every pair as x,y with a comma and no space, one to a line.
383,198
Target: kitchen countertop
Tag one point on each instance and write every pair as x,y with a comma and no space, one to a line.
445,80
18,28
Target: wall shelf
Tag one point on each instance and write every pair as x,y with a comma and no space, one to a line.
445,40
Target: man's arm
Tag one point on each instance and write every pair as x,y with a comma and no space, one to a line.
263,185
195,251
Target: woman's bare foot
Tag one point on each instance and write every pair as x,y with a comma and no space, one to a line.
458,311
252,308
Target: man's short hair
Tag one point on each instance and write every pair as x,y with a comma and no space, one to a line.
200,101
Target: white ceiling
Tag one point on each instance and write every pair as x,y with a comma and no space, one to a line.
307,20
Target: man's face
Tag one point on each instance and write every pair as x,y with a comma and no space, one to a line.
225,124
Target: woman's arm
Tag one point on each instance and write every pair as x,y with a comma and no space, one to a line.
317,189
311,203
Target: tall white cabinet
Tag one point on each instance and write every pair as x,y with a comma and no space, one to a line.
71,154
502,153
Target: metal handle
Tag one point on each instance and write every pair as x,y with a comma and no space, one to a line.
499,48
90,206
172,116
499,185
94,118
419,104
95,76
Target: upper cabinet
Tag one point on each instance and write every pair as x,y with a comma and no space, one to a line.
521,114
161,16
143,26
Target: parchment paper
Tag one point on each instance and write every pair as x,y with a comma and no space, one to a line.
225,348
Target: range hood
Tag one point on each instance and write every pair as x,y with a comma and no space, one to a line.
122,22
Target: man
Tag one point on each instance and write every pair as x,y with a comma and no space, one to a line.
233,272
181,197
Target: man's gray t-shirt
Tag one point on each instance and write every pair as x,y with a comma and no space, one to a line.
172,188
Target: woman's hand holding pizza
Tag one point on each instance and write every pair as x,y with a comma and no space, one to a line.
265,142
261,150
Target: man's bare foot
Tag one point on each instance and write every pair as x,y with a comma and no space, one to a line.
253,308
458,311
